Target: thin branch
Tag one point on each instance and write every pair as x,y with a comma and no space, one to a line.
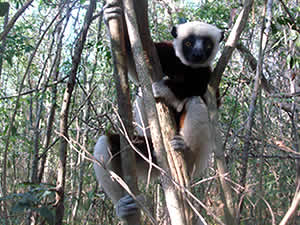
252,155
61,171
250,120
11,125
35,90
286,95
253,64
226,193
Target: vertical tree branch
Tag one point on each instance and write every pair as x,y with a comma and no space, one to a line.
144,52
226,192
3,43
86,133
14,114
115,25
60,185
55,73
257,84
231,43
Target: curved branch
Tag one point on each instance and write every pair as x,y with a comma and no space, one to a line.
292,210
231,44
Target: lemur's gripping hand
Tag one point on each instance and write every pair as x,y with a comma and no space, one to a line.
111,10
126,206
160,90
178,143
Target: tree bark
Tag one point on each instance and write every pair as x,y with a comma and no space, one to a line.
144,52
116,30
250,119
3,43
226,191
61,171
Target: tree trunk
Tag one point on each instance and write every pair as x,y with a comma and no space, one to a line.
61,171
3,43
250,119
226,192
162,132
116,30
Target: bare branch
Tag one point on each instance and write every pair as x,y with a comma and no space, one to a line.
61,171
231,43
295,26
116,30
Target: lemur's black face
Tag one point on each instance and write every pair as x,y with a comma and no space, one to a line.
196,43
197,49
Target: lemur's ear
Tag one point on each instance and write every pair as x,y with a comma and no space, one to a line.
174,32
222,36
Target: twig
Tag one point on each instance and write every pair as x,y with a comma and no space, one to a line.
35,90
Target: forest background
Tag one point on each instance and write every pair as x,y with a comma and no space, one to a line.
38,52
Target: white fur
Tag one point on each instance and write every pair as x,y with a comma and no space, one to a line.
102,154
197,134
199,29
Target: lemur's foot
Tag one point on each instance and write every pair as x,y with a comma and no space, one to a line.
126,206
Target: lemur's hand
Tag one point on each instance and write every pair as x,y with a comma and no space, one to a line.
111,10
161,91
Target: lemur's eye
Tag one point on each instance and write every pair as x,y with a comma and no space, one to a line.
188,44
209,46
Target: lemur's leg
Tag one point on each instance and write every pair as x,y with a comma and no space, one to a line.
196,133
105,152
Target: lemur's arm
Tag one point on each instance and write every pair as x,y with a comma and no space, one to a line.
161,90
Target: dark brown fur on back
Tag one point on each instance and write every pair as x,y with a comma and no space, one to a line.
138,141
